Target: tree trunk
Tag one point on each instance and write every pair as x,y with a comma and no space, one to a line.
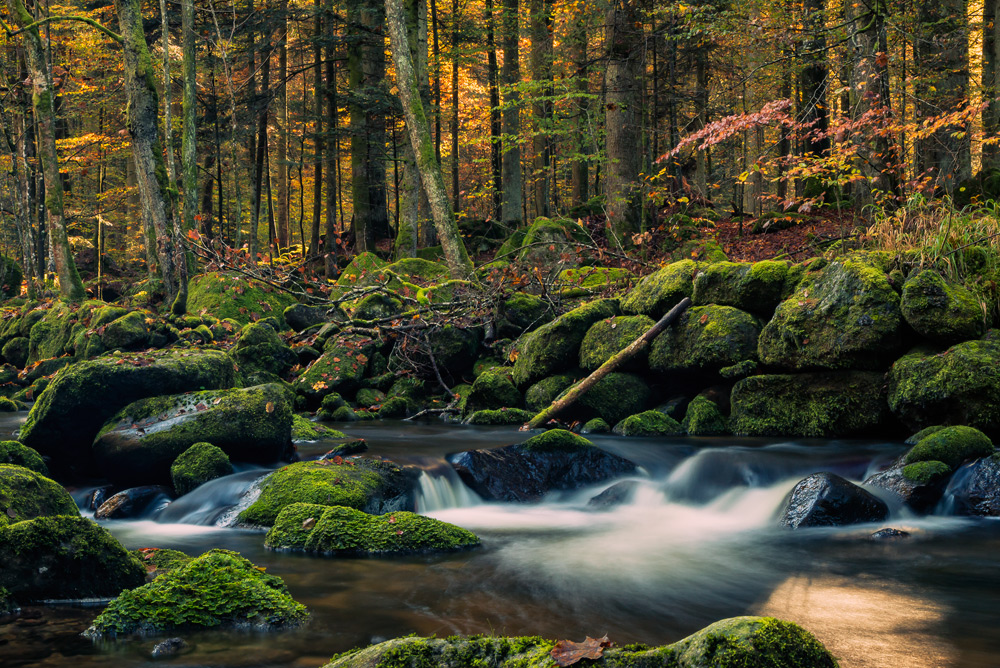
317,212
333,145
459,264
510,77
168,130
456,195
579,177
540,23
189,109
991,82
496,164
281,100
263,102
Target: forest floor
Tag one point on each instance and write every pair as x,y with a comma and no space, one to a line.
797,243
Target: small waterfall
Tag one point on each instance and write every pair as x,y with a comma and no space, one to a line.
442,489
217,502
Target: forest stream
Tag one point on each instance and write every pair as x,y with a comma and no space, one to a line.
699,542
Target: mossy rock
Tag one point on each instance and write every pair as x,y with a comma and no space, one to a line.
376,306
447,291
755,287
550,243
394,408
369,396
455,350
12,452
158,560
25,495
922,434
126,333
951,445
615,396
304,429
231,296
845,316
418,270
260,350
51,333
522,312
500,416
587,281
361,269
138,444
959,386
596,426
648,423
706,338
340,531
493,389
219,589
547,390
761,642
821,405
512,244
942,312
8,405
659,292
606,338
370,485
197,465
703,418
556,440
555,345
15,351
926,472
340,368
10,278
105,315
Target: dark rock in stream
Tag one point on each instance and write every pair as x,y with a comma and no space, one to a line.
889,534
919,487
169,647
618,494
355,447
825,499
134,502
525,472
99,496
976,488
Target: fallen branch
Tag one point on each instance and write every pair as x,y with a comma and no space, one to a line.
617,360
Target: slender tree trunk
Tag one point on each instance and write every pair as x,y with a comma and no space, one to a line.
281,100
437,81
991,82
510,77
496,145
456,195
261,151
333,145
317,213
168,130
579,176
189,140
540,22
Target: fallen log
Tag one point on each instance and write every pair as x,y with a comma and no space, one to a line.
617,360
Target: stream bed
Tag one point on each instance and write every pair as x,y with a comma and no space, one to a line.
698,543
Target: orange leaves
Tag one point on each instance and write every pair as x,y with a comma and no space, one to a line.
567,652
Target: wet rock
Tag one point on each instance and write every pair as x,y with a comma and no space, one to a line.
494,389
976,491
648,423
706,339
134,502
525,472
889,534
12,452
919,486
618,494
169,647
825,499
99,496
355,447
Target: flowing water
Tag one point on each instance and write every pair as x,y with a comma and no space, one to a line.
697,543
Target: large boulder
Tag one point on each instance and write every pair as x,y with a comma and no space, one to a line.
649,423
126,333
613,398
51,332
219,589
951,445
659,292
233,296
12,452
522,312
825,499
525,472
25,495
959,386
706,339
606,338
370,485
550,244
978,491
262,355
140,442
70,412
493,389
756,287
545,391
340,531
64,558
828,404
554,346
340,368
844,316
942,312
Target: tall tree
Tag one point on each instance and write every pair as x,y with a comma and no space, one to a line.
540,28
333,145
281,101
510,79
493,82
189,137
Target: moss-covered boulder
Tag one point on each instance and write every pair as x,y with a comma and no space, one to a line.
522,312
951,445
706,339
340,531
942,312
139,443
494,388
10,278
499,416
595,426
370,485
197,465
550,244
340,368
159,560
453,349
361,270
545,391
703,418
648,423
919,485
12,452
811,404
126,333
959,386
419,270
64,557
659,292
51,332
845,316
261,354
304,429
25,495
554,346
72,409
606,338
614,397
237,297
755,287
16,350
587,281
219,589
104,315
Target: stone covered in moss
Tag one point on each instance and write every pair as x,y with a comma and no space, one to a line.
703,418
549,243
606,338
649,423
304,429
499,416
341,531
595,426
371,485
813,404
659,292
8,405
845,316
755,287
925,472
25,494
236,297
363,266
418,270
376,306
758,642
261,354
64,558
959,386
72,409
522,312
454,351
614,397
943,312
555,346
339,369
922,434
126,333
493,389
706,338
51,332
951,445
545,391
197,465
12,452
158,560
219,589
448,291
15,351
586,281
139,443
556,440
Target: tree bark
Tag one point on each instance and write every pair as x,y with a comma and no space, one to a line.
510,77
189,108
317,212
168,130
579,177
540,23
991,82
281,100
333,145
456,195
496,164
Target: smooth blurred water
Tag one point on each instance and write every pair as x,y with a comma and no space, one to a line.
697,543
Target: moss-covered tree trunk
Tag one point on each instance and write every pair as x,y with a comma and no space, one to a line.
419,131
70,285
147,153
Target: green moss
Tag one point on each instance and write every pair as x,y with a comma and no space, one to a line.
951,445
923,433
942,312
500,416
493,389
547,241
448,291
343,414
362,267
126,333
217,589
376,306
522,312
25,494
706,338
10,278
660,291
340,368
545,391
923,473
15,351
703,418
649,423
753,287
415,269
197,465
332,402
236,297
50,334
615,396
158,560
260,349
556,440
304,429
106,315
363,484
12,452
596,426
587,281
760,642
344,531
394,407
8,405
606,338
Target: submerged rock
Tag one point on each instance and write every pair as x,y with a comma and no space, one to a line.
618,494
169,647
825,499
889,534
133,502
219,589
525,472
